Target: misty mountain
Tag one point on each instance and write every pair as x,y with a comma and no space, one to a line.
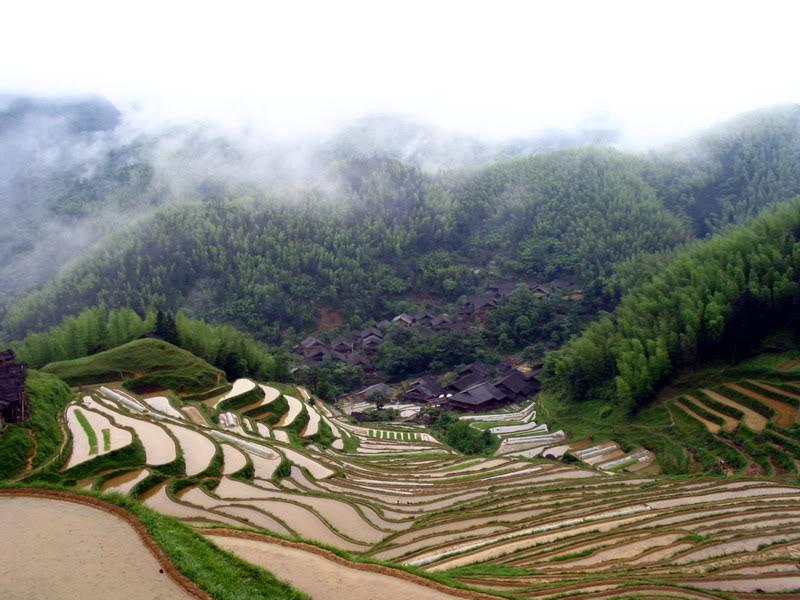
76,169
383,208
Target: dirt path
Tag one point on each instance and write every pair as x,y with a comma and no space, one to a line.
785,413
752,420
64,550
31,456
334,578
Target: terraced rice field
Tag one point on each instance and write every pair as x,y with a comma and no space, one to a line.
516,524
755,422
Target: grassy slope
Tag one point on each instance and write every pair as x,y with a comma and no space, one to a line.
660,426
145,365
48,396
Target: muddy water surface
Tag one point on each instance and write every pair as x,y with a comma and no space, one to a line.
64,551
331,581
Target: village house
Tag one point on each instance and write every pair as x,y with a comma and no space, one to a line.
477,306
541,291
442,323
342,345
483,396
356,359
307,345
424,319
378,390
370,332
316,354
426,389
371,343
404,319
14,404
468,376
515,386
502,289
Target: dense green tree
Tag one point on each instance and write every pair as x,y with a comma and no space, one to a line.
716,298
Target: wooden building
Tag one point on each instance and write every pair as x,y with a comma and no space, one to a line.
14,405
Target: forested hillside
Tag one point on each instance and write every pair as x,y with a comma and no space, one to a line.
717,298
730,173
368,231
392,230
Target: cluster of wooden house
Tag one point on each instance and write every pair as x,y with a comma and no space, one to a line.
473,388
427,321
476,307
14,404
358,349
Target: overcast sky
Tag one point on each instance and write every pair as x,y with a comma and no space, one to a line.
655,68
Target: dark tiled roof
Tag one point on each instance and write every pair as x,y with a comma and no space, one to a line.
371,331
476,367
404,317
478,394
429,386
514,381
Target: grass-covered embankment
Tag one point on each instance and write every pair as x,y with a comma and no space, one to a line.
682,444
39,438
144,365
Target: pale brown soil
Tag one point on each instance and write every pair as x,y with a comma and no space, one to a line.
159,500
313,422
730,424
195,416
785,413
329,319
257,518
394,553
751,419
65,550
739,545
622,551
295,408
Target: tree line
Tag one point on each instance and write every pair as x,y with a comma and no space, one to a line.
98,328
716,298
